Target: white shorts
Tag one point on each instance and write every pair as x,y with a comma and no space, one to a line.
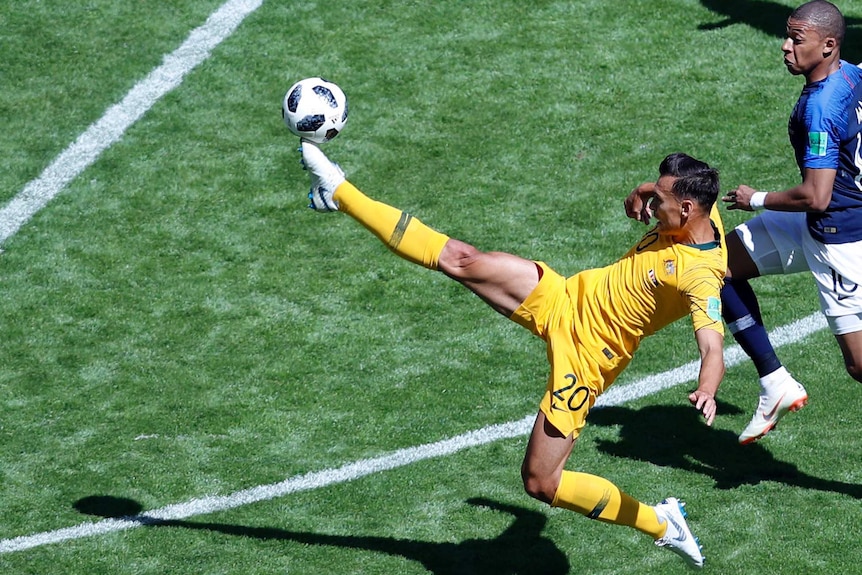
779,243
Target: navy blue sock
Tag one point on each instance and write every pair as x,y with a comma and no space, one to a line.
741,313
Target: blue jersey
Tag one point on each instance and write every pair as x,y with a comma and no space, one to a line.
825,132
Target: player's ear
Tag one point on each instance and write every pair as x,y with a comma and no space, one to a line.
829,45
686,206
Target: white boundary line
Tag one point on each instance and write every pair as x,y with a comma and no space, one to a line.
108,130
117,119
788,334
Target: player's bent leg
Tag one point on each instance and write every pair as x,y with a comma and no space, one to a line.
741,310
740,265
851,349
837,268
597,498
547,452
779,393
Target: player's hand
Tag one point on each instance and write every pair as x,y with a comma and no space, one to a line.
705,403
637,202
740,198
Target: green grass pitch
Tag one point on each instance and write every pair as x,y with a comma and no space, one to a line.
178,329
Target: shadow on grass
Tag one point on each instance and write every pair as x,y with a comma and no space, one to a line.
675,436
519,550
771,18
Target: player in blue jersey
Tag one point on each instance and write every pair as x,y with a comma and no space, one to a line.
816,225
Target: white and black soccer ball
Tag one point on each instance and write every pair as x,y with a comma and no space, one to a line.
315,109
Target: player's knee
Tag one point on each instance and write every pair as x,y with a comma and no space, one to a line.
457,258
537,487
855,371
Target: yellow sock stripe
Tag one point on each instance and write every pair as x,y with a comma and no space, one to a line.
400,228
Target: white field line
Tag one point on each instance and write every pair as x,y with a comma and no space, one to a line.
117,119
314,480
790,333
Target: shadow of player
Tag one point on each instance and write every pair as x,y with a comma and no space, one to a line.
771,18
675,436
519,550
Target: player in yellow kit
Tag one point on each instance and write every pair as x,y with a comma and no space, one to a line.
592,322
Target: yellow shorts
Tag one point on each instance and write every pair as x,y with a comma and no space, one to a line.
575,378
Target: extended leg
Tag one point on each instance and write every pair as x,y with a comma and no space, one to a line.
502,280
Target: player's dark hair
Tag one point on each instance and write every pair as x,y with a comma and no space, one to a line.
694,179
824,16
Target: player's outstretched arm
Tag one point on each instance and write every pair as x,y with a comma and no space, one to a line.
711,346
812,195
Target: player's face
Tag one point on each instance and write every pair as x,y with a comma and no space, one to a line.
804,49
666,207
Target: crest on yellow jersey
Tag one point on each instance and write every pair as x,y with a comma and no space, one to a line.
669,267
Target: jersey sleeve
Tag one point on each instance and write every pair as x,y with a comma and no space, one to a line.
825,120
702,286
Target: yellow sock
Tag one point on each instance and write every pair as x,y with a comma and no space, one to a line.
598,498
401,232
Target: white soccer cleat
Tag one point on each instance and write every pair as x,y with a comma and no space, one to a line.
325,177
776,399
679,537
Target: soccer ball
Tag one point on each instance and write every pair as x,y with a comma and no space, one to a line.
315,109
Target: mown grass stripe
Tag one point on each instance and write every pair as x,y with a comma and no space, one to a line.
785,335
119,117
109,129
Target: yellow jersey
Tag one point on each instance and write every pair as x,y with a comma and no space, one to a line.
656,283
